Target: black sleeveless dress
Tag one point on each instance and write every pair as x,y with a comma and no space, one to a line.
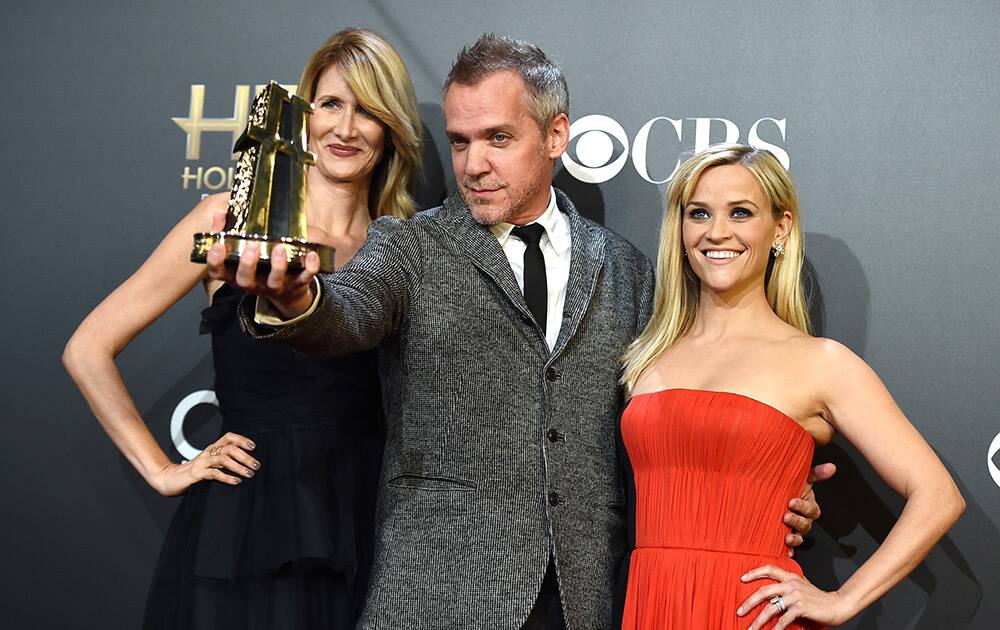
291,547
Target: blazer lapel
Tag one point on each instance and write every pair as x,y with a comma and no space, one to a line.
586,260
482,248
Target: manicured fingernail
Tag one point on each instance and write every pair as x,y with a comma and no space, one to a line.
251,445
739,611
744,576
249,473
236,480
255,465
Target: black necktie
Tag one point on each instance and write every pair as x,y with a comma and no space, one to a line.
536,293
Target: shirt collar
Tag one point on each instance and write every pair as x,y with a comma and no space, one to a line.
552,220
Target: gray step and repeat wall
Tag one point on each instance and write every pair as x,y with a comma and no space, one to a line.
119,116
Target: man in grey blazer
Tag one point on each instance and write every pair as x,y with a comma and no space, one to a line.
500,504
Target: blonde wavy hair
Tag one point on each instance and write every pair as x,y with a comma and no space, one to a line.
675,303
380,81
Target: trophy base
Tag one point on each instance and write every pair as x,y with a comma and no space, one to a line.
235,244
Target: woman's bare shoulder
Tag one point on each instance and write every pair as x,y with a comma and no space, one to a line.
820,357
827,349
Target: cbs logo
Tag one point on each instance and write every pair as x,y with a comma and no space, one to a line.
990,454
189,402
597,134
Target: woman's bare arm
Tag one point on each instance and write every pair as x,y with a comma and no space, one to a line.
163,279
859,406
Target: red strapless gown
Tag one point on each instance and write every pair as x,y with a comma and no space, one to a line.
713,474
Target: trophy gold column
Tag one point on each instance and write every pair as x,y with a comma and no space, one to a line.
267,203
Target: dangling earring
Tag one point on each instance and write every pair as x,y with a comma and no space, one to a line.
779,249
685,253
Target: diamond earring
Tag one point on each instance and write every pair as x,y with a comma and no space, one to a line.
779,249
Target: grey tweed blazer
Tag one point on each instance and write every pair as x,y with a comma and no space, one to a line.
497,451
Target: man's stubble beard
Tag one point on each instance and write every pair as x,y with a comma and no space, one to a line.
509,209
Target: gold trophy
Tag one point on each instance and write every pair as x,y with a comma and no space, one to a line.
267,203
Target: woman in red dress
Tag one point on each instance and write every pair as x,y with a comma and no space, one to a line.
729,394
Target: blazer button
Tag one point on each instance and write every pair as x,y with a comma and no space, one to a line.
554,499
553,435
551,374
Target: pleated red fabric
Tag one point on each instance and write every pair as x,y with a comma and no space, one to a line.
713,474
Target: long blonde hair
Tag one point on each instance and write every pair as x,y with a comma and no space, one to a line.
380,81
675,303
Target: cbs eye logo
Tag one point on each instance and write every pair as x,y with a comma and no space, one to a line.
990,454
594,140
189,402
595,135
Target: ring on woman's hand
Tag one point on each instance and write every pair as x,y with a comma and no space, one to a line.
215,450
779,603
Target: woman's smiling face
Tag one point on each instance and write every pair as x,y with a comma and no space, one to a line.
347,139
729,228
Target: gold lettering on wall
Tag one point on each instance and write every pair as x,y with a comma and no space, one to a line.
196,124
213,177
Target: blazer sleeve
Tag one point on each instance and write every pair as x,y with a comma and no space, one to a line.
361,303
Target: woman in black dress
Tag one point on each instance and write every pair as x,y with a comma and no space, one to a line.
275,528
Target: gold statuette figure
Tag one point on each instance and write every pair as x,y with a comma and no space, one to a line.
267,203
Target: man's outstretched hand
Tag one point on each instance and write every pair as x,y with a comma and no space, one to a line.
804,510
290,294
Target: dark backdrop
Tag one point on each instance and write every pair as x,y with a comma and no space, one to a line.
886,113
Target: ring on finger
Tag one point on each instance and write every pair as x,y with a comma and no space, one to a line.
779,602
215,450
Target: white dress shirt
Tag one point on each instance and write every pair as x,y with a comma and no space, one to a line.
556,246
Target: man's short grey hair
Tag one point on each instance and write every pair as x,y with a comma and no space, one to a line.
547,94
